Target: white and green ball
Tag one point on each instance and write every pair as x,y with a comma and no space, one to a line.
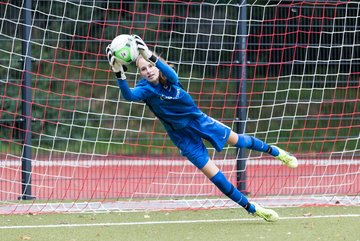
124,49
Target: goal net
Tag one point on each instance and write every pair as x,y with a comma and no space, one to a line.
287,72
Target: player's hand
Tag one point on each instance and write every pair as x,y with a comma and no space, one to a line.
116,67
144,50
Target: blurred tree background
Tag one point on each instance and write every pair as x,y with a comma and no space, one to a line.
302,61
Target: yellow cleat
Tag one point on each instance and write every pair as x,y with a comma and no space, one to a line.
267,214
287,158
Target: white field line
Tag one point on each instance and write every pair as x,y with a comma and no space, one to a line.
164,162
74,225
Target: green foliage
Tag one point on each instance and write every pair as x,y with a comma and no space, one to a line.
76,104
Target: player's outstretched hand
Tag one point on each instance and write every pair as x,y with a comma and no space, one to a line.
144,50
118,68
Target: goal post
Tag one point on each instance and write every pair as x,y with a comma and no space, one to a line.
91,150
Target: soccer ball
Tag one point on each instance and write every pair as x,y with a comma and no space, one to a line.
124,49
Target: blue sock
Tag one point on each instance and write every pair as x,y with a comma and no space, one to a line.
229,190
253,143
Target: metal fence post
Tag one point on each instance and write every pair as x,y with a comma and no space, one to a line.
26,95
241,112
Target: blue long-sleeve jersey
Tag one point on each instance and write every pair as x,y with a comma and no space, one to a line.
170,103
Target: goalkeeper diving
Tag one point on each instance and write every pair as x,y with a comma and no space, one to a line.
187,126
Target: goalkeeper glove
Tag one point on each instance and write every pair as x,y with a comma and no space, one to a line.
116,67
144,50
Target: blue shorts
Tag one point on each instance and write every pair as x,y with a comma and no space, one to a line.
189,139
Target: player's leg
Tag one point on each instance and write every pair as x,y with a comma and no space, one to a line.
219,179
192,147
219,134
253,143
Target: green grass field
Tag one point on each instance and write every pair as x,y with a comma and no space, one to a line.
296,223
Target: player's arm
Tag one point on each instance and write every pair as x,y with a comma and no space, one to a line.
165,69
130,94
119,70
